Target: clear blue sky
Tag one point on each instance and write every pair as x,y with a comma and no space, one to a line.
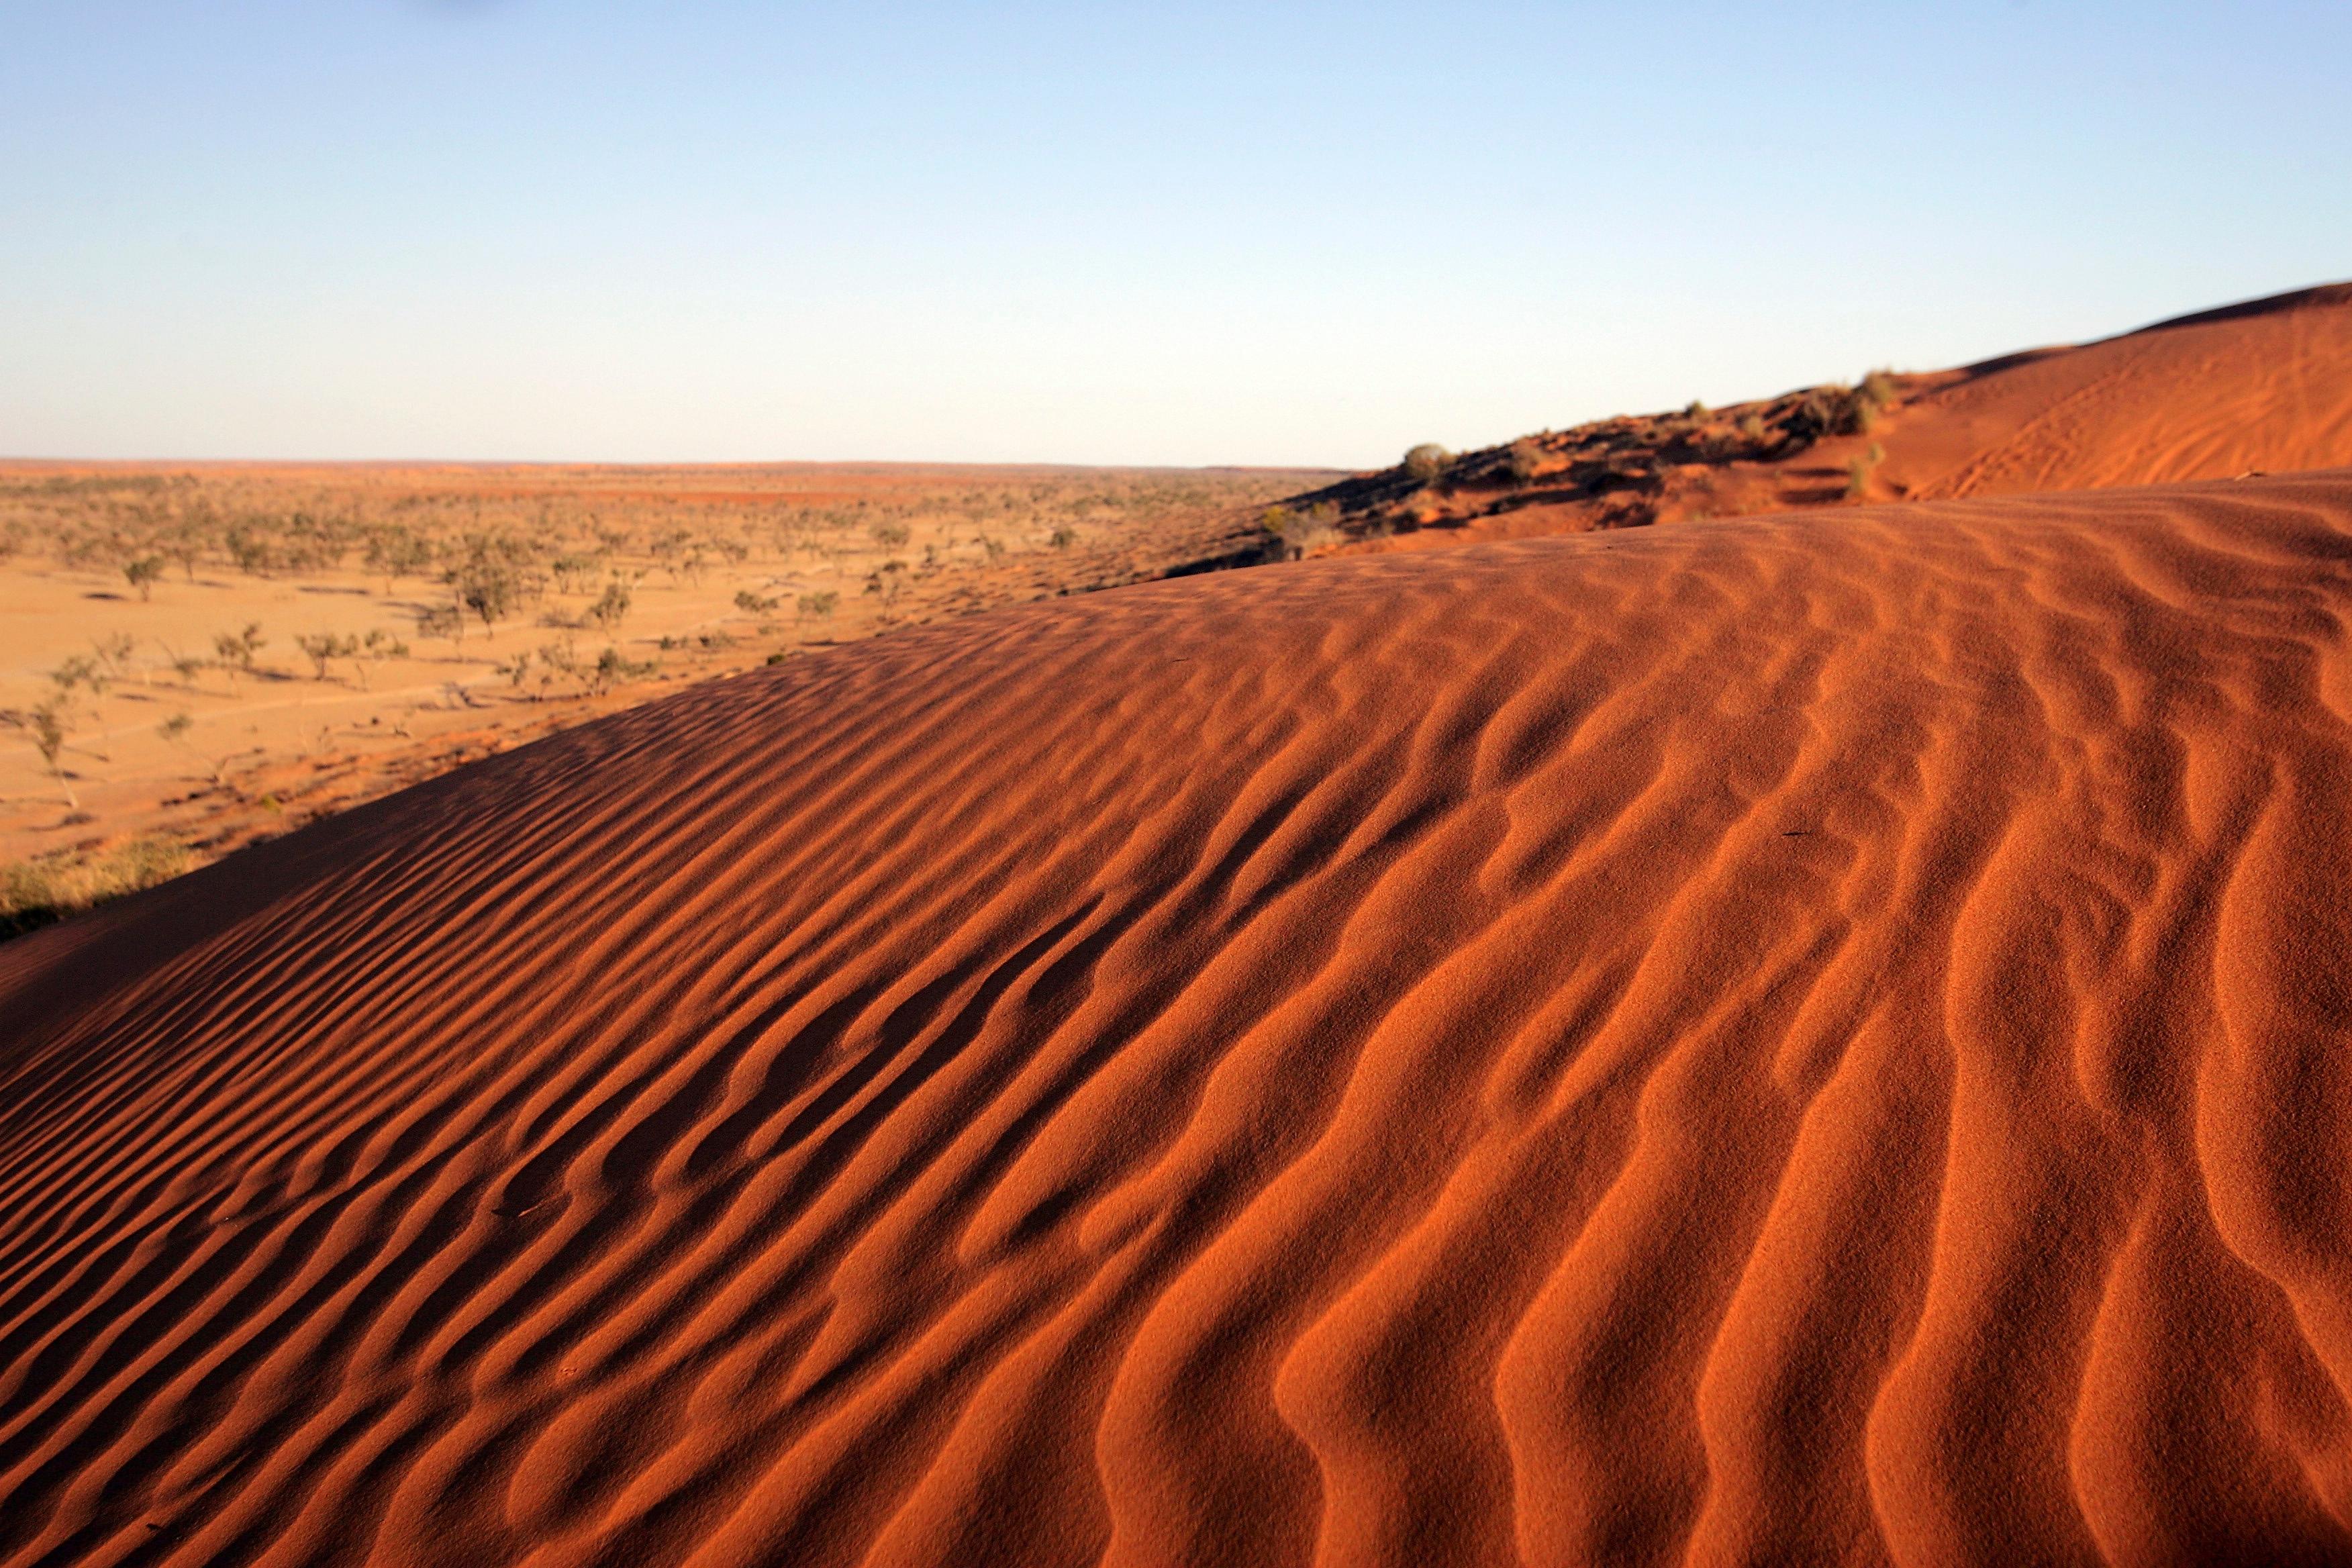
1260,232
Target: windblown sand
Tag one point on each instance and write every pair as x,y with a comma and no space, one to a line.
1820,1038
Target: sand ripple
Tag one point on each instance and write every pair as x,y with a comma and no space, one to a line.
1817,1040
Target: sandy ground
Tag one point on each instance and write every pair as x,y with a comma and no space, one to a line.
1818,1038
2262,387
267,748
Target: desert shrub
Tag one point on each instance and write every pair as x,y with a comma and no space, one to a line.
751,604
1302,534
114,652
612,667
1064,537
1751,429
1858,472
612,606
46,725
179,730
888,581
442,621
377,646
185,541
490,589
142,574
253,553
236,649
573,573
1426,461
396,551
889,535
817,605
321,646
78,671
1871,399
1524,460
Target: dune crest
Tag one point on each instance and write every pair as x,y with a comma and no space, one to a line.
1819,1038
2264,386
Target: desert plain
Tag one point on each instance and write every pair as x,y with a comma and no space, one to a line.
1769,983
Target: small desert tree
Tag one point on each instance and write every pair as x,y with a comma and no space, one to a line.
394,550
442,621
490,589
888,581
379,646
322,646
144,573
45,724
179,730
1426,461
612,606
237,650
1858,472
612,667
186,665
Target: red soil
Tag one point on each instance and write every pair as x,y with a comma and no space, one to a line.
1820,1039
2266,386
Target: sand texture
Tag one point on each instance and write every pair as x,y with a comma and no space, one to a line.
2260,388
1824,1039
2266,386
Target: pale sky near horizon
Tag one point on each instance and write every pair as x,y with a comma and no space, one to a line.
1264,234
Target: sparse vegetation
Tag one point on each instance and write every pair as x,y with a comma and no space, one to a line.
41,891
612,606
46,725
1426,461
321,648
1858,471
449,552
612,667
142,574
1292,535
237,650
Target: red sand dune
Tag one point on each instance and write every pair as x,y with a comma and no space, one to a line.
2264,386
1814,1039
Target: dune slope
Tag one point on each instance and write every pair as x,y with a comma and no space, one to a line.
2266,385
1820,1039
2261,387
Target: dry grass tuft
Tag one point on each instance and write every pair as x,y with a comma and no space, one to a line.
42,891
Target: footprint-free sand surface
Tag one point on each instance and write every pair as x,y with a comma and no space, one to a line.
2260,388
1822,1038
2265,385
